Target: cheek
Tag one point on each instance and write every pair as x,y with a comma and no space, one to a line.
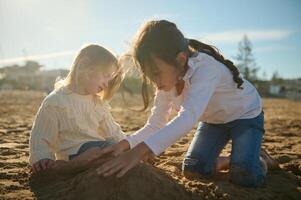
169,80
92,84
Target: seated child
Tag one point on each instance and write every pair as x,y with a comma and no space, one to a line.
75,116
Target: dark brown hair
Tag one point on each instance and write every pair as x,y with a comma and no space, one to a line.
164,40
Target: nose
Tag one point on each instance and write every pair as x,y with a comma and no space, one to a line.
104,84
158,82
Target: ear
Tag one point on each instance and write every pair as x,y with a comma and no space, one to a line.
181,58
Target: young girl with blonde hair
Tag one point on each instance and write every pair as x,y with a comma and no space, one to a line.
75,116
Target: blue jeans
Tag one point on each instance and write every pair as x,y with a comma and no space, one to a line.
209,140
84,147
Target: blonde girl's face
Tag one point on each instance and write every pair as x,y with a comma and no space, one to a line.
97,81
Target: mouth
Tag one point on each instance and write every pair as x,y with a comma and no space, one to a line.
100,88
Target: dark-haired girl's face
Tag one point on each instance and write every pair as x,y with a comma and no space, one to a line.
165,76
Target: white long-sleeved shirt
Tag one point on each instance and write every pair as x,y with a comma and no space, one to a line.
209,95
65,121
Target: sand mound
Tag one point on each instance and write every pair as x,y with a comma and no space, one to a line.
143,182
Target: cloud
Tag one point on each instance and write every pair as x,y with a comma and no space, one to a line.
37,57
254,35
274,48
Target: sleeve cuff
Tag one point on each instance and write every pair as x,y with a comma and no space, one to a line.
131,141
153,148
134,143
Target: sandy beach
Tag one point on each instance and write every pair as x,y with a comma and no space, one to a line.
160,180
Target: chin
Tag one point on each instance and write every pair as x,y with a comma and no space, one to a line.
166,89
93,92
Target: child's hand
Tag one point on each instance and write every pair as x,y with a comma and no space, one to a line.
42,165
58,164
114,150
124,162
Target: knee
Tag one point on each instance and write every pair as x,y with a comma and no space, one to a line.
197,166
247,175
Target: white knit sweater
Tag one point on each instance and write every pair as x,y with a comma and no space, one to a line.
65,121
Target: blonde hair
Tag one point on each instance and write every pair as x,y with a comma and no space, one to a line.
93,57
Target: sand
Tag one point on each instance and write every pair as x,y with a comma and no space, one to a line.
143,182
161,180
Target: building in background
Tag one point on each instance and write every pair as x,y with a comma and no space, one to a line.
29,77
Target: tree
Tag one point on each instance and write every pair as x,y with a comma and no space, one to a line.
276,78
245,59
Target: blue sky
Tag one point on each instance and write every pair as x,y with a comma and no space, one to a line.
51,31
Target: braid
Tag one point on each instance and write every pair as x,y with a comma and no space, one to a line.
213,51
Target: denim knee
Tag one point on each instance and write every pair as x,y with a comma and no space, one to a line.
194,165
84,147
246,175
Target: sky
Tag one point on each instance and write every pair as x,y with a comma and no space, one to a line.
52,31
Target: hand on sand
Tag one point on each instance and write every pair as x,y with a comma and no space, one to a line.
124,162
42,164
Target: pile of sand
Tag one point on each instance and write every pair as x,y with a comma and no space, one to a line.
142,182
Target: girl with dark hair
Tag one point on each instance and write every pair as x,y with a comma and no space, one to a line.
197,81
